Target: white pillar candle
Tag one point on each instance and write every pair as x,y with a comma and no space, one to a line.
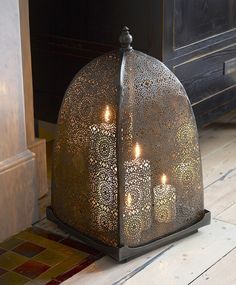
164,202
103,173
132,221
137,213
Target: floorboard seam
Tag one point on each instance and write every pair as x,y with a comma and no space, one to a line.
223,212
222,178
225,222
141,267
217,149
212,265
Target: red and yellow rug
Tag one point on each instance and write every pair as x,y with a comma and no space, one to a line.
36,256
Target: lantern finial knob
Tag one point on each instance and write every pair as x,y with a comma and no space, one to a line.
125,39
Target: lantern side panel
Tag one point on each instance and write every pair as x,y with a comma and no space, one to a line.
160,171
84,182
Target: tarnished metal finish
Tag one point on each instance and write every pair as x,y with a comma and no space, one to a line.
127,166
84,188
125,39
156,113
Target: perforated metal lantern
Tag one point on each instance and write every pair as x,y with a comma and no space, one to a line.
127,171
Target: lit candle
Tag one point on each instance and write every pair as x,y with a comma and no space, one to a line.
103,173
137,214
132,221
164,202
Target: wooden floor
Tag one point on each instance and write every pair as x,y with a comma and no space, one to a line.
207,257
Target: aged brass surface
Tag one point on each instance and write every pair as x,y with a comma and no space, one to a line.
127,167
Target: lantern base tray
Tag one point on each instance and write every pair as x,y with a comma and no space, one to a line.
124,253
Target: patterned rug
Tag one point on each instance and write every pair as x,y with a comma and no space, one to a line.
40,257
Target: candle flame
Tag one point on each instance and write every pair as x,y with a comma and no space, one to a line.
107,114
163,179
129,200
137,151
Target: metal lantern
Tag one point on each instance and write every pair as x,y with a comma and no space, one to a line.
127,174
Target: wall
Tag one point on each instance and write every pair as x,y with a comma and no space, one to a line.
19,185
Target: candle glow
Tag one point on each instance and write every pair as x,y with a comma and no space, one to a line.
107,114
137,151
164,201
163,179
103,179
137,196
129,200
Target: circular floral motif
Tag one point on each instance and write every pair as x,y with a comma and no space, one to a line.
84,108
105,190
81,138
186,133
106,221
164,214
103,220
132,179
102,174
146,219
133,227
187,171
134,194
104,148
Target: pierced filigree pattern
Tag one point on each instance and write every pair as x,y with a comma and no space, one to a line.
84,192
99,186
103,176
164,203
163,123
138,200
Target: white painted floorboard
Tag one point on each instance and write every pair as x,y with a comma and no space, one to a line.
222,273
218,163
190,257
221,195
215,137
229,215
185,261
107,271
